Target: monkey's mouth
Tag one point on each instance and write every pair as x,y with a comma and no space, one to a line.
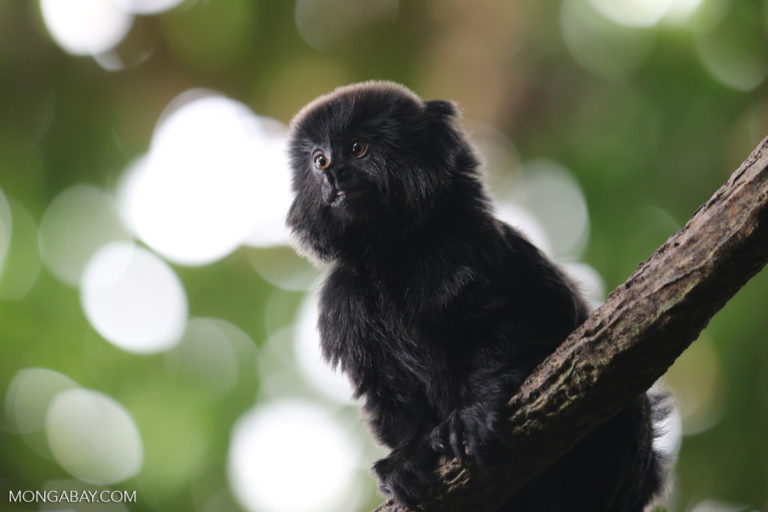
338,197
331,195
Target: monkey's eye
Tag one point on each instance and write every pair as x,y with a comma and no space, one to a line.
358,148
321,161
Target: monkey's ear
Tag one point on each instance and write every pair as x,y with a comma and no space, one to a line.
441,108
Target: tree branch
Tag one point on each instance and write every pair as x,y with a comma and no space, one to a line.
627,343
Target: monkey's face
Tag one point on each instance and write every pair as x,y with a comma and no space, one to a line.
371,154
345,171
341,181
355,148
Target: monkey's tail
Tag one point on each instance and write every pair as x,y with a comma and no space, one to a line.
666,440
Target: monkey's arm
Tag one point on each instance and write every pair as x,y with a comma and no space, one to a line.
525,317
492,331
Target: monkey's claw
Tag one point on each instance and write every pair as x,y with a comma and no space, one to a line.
405,477
470,432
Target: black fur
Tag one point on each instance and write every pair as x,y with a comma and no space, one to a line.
435,309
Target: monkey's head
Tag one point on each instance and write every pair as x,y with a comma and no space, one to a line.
369,160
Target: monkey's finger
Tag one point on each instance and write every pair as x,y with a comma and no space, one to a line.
456,438
437,439
479,454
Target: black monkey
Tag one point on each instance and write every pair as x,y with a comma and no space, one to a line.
435,309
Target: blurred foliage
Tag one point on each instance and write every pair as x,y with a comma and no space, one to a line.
649,119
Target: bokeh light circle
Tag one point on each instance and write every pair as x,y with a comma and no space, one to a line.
273,194
733,62
22,263
279,446
147,6
85,27
681,11
214,174
206,356
696,378
321,23
77,223
554,197
30,394
93,437
633,13
133,299
711,505
646,13
6,227
598,44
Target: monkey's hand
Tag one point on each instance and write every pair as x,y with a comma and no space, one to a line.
407,473
470,432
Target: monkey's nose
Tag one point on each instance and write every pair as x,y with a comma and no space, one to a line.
332,185
330,176
328,187
335,175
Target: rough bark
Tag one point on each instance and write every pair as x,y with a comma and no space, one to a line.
627,343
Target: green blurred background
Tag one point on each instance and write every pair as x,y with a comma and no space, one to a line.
157,329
